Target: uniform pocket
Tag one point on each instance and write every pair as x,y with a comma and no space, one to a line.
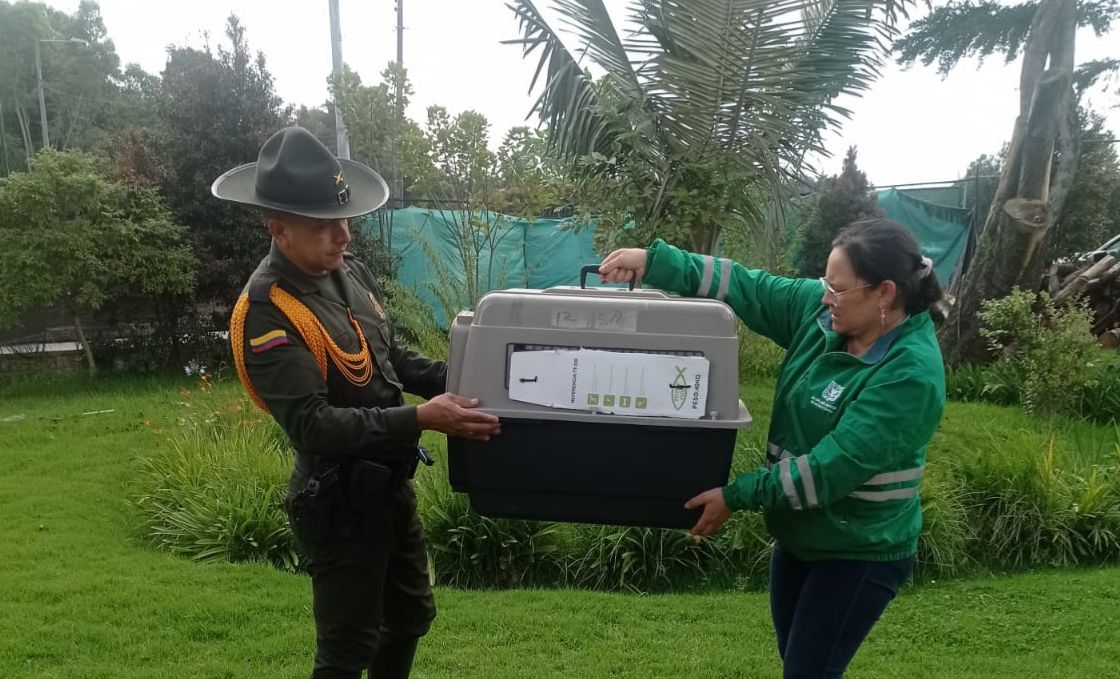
369,478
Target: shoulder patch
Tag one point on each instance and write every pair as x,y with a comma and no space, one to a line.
267,341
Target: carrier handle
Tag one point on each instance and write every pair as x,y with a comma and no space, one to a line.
592,268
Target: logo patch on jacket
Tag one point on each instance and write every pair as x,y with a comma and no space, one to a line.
268,341
376,306
827,400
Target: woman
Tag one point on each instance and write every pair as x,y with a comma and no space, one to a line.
860,394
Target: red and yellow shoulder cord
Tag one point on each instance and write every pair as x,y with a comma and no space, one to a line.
356,368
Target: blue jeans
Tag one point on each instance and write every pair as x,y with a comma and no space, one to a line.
823,610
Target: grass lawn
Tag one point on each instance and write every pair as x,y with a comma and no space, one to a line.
82,596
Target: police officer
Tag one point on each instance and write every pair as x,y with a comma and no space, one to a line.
314,348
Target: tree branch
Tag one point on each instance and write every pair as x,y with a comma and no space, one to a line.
1036,51
961,30
1087,73
1069,157
1038,145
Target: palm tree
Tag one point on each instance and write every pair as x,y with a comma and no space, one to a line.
706,107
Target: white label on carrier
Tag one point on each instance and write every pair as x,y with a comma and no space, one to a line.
654,385
610,320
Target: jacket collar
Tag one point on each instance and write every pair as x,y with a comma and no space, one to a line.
879,349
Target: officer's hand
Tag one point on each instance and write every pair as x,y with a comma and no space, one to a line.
716,512
456,416
623,266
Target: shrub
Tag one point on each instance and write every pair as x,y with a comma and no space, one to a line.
136,339
947,539
1002,491
638,559
965,383
999,383
1033,505
1100,396
1047,360
469,550
414,322
1060,366
214,492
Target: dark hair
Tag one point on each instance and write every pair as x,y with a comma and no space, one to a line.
882,250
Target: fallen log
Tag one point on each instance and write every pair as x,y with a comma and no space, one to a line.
1091,275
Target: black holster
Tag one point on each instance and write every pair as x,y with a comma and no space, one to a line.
346,499
316,506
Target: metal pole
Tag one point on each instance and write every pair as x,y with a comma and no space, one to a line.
341,140
400,32
4,141
42,102
976,199
397,189
944,181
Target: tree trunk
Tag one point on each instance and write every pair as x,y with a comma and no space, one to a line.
1013,244
85,343
704,238
1006,245
25,134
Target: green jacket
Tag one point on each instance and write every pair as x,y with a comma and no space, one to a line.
847,442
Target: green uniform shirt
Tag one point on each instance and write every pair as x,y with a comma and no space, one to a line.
847,442
333,417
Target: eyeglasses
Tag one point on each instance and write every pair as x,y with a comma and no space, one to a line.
837,294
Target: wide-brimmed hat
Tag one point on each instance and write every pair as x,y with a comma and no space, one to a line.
296,173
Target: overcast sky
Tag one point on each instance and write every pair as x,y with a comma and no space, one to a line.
912,126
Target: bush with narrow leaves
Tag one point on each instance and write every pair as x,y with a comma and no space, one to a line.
1002,490
214,490
469,550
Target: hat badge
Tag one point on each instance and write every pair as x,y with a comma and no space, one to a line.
344,193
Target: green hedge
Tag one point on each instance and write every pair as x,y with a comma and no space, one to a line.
1003,491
